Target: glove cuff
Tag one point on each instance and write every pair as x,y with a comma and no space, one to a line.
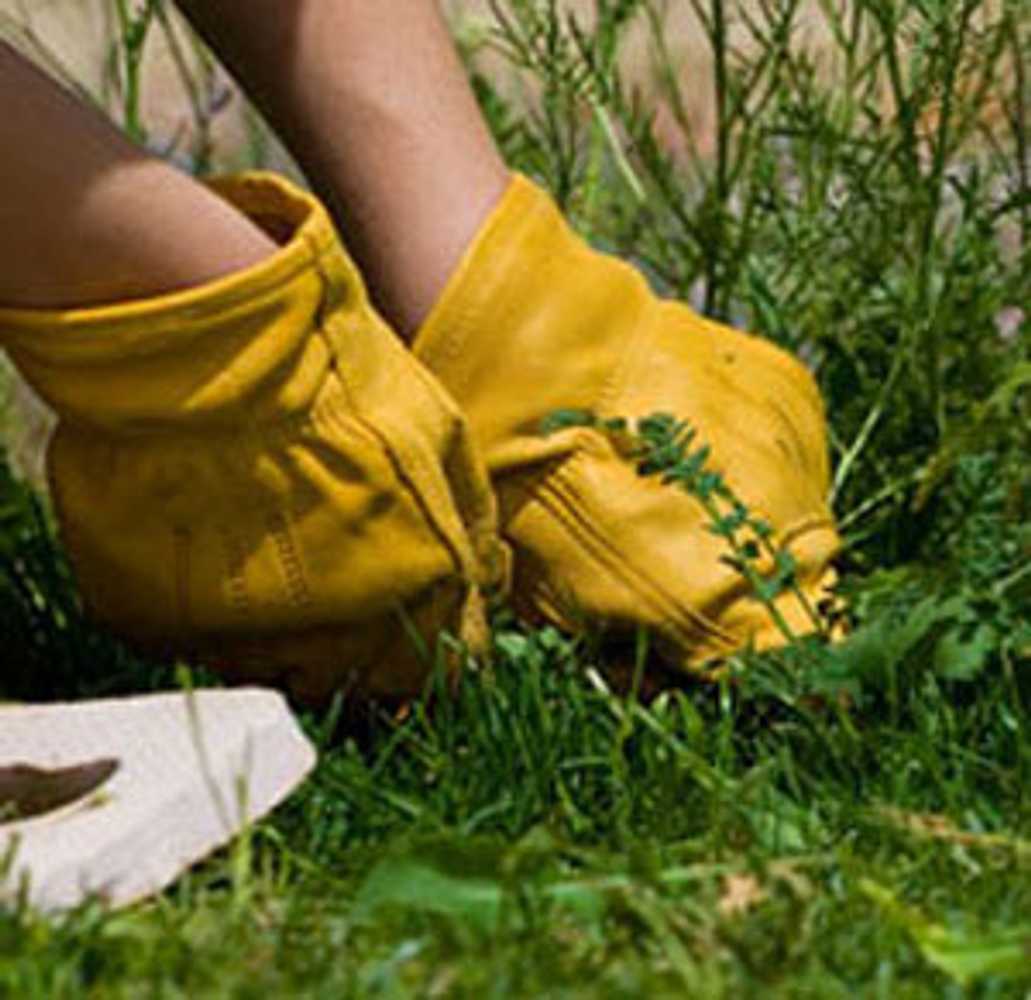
526,299
193,356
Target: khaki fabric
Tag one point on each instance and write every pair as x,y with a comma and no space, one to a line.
535,321
258,473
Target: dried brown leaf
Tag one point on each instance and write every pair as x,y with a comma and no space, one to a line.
741,893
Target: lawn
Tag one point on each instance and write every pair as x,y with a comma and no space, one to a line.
828,820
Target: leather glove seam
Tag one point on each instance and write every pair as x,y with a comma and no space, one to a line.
410,471
429,496
476,515
593,541
810,524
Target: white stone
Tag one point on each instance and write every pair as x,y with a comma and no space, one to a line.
194,769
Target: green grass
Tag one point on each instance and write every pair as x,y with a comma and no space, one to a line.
846,821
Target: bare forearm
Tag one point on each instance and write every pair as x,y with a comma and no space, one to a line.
87,218
373,102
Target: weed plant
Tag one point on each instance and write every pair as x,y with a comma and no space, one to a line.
826,820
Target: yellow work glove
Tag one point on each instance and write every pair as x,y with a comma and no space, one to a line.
256,472
534,321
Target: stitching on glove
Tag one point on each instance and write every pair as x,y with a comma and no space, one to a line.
297,589
234,558
419,477
554,498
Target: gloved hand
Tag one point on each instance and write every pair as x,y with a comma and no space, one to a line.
534,321
256,472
